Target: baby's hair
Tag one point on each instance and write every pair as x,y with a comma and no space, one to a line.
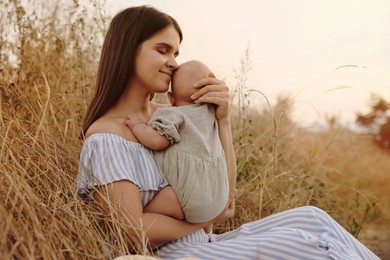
199,70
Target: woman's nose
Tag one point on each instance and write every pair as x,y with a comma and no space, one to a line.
172,63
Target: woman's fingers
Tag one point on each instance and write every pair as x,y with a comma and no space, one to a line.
214,97
216,90
210,80
228,212
213,91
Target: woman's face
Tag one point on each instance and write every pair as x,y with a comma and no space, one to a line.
155,61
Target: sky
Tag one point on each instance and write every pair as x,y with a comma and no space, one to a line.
327,56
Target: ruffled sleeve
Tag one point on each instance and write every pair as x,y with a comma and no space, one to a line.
167,121
106,158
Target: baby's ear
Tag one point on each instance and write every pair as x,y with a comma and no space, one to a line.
171,98
211,75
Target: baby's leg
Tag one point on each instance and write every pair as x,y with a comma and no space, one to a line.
165,202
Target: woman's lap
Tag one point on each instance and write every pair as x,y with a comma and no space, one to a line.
301,233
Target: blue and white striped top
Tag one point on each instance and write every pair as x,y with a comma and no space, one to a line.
106,158
300,233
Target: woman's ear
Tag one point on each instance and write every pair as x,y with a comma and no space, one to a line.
171,98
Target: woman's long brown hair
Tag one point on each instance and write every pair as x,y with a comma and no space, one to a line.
127,31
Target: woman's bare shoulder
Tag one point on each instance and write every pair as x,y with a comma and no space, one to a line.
111,126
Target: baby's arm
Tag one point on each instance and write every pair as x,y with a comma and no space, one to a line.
166,203
146,134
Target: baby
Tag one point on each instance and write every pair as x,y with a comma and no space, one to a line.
188,150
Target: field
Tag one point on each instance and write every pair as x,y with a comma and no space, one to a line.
47,73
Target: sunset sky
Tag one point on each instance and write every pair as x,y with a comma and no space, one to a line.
295,47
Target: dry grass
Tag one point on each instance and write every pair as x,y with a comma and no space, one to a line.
47,74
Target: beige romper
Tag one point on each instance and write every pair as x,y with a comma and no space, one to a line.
194,164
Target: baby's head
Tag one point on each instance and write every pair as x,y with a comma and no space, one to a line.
184,77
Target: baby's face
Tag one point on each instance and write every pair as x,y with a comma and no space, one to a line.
185,76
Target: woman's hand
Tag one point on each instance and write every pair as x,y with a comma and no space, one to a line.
213,91
230,209
228,212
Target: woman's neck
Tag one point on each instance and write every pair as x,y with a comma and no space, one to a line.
133,101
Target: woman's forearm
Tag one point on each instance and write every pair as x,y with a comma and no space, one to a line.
160,229
225,134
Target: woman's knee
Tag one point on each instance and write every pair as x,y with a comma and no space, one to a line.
315,211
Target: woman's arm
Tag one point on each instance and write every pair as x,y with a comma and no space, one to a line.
165,202
225,134
216,92
158,228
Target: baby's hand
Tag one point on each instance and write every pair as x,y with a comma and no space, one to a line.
133,120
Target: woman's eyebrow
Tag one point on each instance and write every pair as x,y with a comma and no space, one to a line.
168,46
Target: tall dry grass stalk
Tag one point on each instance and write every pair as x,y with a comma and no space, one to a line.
49,54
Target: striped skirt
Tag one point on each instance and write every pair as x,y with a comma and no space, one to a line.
300,233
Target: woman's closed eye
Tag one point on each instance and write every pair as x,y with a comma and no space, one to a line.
162,50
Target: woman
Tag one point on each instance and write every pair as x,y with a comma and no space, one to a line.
137,60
